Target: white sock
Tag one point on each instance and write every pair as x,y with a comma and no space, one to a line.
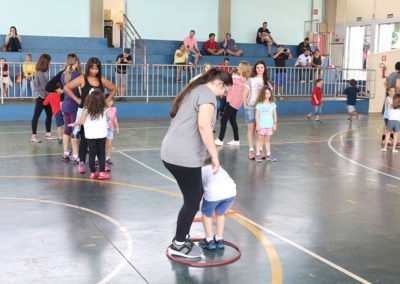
218,238
178,243
209,239
251,149
66,153
268,154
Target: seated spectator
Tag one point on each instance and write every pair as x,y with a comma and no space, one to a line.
5,80
280,58
264,37
13,40
181,58
28,71
317,63
225,65
191,45
230,46
304,61
303,45
211,46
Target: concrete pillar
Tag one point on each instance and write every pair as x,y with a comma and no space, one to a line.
330,14
224,18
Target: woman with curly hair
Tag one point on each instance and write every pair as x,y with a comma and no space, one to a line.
94,120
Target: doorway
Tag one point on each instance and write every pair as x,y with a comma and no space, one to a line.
113,19
358,46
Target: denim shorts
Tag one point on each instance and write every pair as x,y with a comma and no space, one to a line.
208,207
110,134
59,119
393,125
317,110
250,115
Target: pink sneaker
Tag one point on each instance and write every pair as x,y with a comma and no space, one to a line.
108,168
81,167
104,175
252,155
93,175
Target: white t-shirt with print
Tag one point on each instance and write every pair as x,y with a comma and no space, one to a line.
219,186
254,84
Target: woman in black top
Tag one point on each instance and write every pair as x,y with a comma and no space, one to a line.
91,80
317,64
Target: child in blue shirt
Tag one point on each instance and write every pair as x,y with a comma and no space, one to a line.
351,92
266,121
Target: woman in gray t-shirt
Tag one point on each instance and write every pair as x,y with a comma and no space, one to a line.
185,148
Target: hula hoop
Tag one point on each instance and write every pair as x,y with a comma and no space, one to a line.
207,264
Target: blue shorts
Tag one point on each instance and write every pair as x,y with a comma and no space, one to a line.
208,207
59,119
317,110
110,134
250,115
393,125
280,79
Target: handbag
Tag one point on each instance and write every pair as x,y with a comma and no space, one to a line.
18,79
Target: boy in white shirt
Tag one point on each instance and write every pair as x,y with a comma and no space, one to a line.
219,194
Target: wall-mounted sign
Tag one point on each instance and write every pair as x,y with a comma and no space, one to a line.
390,16
383,58
315,11
359,19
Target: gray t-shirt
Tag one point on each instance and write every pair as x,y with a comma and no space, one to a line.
391,79
183,145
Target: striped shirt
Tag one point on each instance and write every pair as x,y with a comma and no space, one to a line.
235,94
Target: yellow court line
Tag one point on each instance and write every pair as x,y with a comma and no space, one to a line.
275,263
352,201
274,260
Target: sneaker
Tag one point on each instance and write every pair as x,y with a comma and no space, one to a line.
66,157
219,142
107,168
220,243
93,175
384,149
262,155
258,158
35,140
188,250
271,158
207,244
395,151
252,155
73,159
318,121
104,175
49,137
109,162
81,167
234,143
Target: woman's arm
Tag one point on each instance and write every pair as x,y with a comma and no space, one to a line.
206,112
110,86
245,96
78,82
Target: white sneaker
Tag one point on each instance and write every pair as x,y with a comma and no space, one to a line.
218,142
234,143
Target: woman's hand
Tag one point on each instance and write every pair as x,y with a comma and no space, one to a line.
72,124
215,165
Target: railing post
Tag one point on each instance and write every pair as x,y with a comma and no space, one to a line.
146,67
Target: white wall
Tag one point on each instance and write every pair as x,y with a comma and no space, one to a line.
46,17
285,19
173,19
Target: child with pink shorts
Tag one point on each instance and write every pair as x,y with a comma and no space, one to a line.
266,122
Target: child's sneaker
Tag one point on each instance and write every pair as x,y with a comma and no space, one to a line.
104,175
234,143
188,249
65,157
258,158
207,244
109,162
35,140
252,155
81,167
93,175
107,168
318,121
384,149
271,158
219,244
262,154
395,151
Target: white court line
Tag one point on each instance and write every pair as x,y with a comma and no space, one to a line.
303,249
122,228
352,161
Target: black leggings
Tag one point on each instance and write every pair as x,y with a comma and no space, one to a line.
83,145
222,104
191,186
37,112
229,114
97,147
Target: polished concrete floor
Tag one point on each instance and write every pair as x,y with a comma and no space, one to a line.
327,212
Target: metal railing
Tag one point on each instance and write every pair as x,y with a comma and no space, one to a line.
158,81
132,39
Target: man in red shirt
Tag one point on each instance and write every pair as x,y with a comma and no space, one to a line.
316,100
211,46
225,65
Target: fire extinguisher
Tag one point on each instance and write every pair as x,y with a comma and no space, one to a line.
383,68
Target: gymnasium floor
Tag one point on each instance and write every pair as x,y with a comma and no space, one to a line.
327,212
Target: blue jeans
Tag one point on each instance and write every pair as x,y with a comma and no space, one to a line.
24,88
